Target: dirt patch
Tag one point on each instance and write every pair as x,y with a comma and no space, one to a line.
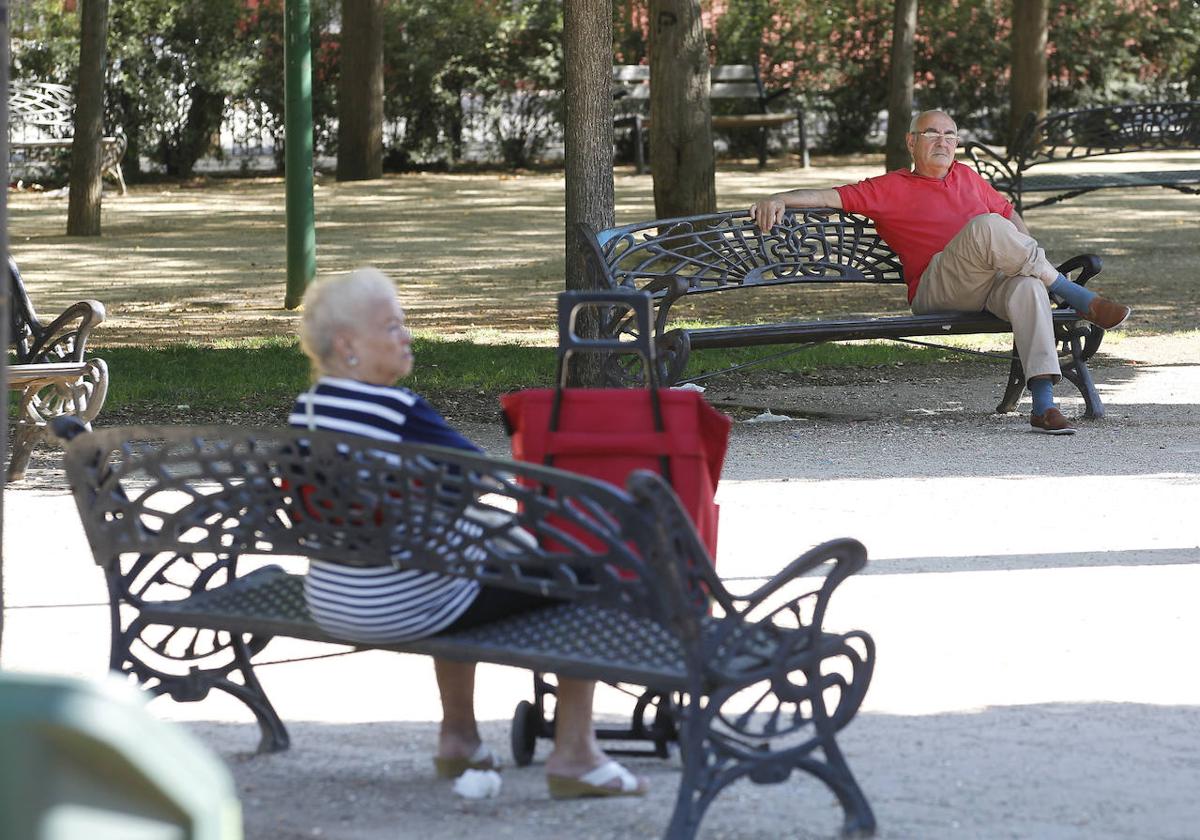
481,254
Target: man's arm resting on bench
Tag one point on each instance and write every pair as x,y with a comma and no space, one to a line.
768,212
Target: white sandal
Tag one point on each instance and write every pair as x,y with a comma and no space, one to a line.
596,782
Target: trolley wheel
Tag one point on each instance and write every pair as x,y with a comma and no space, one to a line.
525,726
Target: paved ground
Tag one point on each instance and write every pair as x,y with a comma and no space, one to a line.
1033,601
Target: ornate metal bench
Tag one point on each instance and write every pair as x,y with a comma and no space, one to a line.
175,516
49,369
41,116
673,259
1087,134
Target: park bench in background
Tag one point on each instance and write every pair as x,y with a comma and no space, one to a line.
50,370
42,119
675,259
176,517
735,82
1087,134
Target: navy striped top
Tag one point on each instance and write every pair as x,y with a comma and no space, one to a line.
380,604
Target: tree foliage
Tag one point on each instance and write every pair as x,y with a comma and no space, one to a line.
177,67
832,55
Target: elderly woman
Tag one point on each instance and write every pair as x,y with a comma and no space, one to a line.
354,334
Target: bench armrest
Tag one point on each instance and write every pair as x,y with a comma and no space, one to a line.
1088,266
65,338
777,640
848,556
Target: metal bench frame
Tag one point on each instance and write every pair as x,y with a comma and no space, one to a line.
173,514
1086,134
734,82
676,258
46,111
50,369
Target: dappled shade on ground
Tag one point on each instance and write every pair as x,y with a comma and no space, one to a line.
480,255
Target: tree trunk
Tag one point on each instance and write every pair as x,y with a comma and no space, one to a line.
195,138
681,149
131,163
588,147
900,99
360,92
1029,80
83,208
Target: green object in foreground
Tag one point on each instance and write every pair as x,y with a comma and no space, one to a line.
85,760
298,164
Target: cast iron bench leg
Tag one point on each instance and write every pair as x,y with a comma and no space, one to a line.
274,735
1077,373
860,820
26,436
711,762
1016,385
197,682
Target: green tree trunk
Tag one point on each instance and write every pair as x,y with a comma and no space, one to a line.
681,149
900,100
588,147
360,92
83,208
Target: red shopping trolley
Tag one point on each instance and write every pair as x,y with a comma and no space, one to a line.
607,433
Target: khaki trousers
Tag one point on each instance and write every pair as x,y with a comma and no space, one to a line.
990,265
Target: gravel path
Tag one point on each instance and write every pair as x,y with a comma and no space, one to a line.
1029,597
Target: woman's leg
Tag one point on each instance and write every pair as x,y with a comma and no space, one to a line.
576,750
459,734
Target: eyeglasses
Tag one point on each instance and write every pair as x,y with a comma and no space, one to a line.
933,135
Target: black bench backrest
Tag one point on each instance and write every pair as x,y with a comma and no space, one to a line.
724,250
163,505
1090,132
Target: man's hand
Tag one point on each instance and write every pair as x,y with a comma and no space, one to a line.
767,212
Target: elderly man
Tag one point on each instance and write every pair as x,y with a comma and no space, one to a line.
963,249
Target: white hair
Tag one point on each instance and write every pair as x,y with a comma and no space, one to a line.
912,126
339,303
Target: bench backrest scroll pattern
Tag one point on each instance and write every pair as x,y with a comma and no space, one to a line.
726,250
181,505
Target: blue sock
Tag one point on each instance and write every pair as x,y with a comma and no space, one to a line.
1042,391
1075,296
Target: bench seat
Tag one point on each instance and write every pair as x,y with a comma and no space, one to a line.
575,639
572,639
895,326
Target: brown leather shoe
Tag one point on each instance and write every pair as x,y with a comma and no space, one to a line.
1107,314
1051,423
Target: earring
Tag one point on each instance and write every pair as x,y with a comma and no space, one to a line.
352,361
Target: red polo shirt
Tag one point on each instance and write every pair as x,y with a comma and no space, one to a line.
917,216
